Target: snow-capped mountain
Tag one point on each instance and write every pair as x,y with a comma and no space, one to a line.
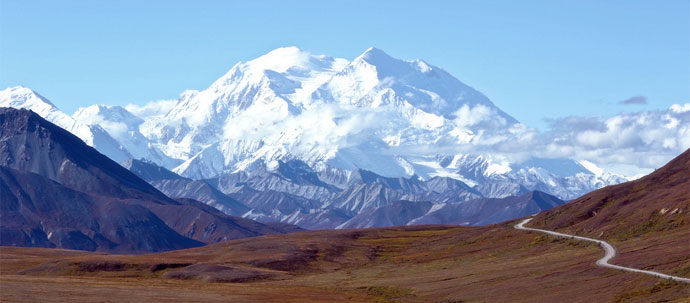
377,113
295,194
370,113
237,108
123,126
93,135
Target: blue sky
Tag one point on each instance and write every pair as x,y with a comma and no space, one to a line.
534,59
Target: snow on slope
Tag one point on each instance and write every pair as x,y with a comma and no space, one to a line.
393,117
251,98
390,116
289,104
124,127
367,79
93,135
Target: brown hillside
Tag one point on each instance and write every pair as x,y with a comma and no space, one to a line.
646,220
657,202
398,264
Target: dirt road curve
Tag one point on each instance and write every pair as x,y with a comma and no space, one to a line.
610,252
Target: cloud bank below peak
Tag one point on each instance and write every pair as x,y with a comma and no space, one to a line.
629,144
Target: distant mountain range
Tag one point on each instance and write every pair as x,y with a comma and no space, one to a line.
646,220
295,194
287,139
376,113
35,153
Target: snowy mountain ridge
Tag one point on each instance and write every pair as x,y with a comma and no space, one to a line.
324,111
93,135
389,116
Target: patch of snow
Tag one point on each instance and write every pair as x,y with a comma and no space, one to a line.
597,171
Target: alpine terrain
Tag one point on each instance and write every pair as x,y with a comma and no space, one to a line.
645,220
55,191
320,142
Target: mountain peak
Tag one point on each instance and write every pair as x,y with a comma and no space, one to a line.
285,67
376,56
20,96
19,89
389,116
95,114
282,59
388,66
285,51
374,51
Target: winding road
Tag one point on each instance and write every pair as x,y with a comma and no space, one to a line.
610,252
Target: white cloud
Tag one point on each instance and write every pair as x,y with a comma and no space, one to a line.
628,144
645,140
151,109
677,108
467,116
326,127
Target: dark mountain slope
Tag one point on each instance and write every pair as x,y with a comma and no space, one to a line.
201,191
175,186
412,184
394,214
199,221
149,171
369,200
263,204
119,201
473,212
31,144
37,211
658,201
